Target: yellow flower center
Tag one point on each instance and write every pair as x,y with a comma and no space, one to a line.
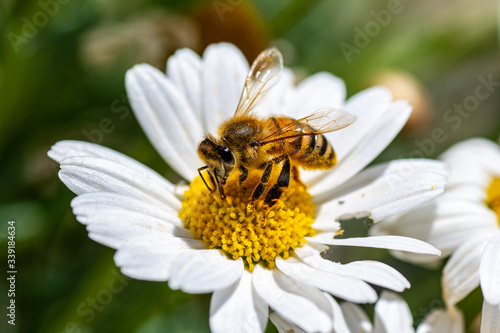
493,197
255,233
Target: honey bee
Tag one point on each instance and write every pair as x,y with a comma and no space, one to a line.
247,142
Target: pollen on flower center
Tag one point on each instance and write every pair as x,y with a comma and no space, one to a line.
493,197
256,234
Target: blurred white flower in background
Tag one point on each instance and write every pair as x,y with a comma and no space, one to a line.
464,223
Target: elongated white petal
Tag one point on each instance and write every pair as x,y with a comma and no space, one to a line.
382,242
316,92
94,203
381,192
72,148
276,101
184,69
464,192
68,149
238,308
461,273
223,76
114,226
204,271
370,146
93,174
298,303
392,314
348,288
339,322
283,325
370,271
395,169
369,106
478,154
376,273
150,258
490,318
445,224
489,270
443,321
356,319
166,118
387,196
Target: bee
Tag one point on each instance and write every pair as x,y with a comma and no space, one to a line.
248,142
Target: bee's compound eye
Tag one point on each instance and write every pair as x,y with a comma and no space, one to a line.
226,155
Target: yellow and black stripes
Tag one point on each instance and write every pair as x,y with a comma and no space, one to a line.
309,150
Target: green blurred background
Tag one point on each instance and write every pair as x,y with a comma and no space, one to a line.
62,66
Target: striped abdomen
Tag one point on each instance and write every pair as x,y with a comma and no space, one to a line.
309,151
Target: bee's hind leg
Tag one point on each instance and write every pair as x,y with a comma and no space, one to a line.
260,188
282,183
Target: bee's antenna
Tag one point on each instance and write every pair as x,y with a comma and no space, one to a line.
201,175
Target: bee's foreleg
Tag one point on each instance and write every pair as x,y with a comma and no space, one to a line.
259,189
244,173
282,183
219,186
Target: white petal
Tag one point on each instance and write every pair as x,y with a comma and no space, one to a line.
150,258
348,288
166,118
92,203
461,272
376,273
238,308
94,174
369,106
339,322
204,271
370,146
465,192
223,76
480,153
283,325
298,303
356,319
443,321
71,148
490,318
382,242
489,270
386,196
275,101
184,69
392,315
315,92
373,272
114,227
445,223
383,173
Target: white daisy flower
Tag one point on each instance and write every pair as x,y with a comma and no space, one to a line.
250,259
464,222
392,315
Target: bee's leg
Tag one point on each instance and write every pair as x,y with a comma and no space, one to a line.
259,189
295,175
219,186
244,173
283,181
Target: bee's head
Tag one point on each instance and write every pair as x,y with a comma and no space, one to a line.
220,160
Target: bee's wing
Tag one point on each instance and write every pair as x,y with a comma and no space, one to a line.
262,76
321,121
